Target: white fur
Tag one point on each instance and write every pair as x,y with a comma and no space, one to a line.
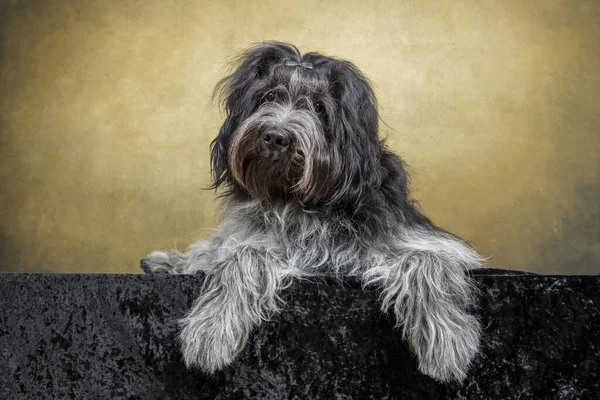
256,252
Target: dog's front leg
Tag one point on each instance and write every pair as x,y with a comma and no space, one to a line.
240,291
427,287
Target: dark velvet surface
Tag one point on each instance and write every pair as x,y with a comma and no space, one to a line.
114,337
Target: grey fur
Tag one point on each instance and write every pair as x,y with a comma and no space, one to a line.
255,253
332,200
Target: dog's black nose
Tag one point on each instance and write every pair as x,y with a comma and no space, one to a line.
276,140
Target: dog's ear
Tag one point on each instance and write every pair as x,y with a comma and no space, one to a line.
356,100
356,129
239,93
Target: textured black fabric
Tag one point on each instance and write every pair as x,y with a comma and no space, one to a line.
114,337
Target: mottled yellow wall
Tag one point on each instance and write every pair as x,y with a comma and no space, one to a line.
105,120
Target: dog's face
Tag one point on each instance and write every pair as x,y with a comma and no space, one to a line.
298,128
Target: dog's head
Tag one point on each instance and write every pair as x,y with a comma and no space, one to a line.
299,128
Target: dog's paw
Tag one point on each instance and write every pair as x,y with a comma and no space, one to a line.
209,342
447,349
157,262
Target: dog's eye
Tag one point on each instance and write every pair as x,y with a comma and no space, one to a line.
269,97
319,108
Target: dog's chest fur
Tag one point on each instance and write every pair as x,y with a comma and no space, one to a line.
300,239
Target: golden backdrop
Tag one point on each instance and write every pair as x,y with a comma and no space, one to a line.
106,120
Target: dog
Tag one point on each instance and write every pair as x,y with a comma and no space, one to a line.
310,189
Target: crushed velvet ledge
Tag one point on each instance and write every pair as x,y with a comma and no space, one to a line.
66,336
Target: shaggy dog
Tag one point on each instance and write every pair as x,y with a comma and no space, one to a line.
309,189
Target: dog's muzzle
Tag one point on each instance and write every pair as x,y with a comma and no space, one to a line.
281,151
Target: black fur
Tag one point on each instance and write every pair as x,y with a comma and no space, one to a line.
311,189
360,176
